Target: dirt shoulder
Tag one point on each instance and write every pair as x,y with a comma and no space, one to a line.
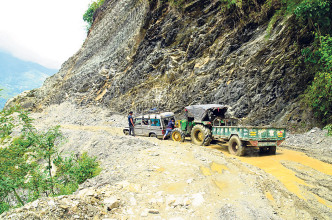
315,143
147,178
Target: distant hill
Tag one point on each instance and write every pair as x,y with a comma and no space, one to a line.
17,75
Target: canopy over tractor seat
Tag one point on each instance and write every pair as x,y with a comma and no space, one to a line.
206,112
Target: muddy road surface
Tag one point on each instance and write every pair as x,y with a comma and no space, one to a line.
148,178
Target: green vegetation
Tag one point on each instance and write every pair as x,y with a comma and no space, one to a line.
329,129
319,93
230,3
88,15
27,162
316,15
177,3
73,171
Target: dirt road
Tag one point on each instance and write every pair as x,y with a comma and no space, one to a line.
182,181
148,178
289,185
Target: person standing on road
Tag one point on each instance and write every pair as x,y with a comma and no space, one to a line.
131,124
170,127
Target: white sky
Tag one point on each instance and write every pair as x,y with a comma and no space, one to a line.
47,32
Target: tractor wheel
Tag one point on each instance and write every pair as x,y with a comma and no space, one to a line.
272,150
268,150
178,135
235,146
201,135
263,150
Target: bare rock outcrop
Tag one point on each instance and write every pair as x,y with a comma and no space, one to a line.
143,54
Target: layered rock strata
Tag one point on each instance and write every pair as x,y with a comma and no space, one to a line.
141,54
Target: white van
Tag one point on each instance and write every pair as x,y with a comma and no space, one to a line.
151,125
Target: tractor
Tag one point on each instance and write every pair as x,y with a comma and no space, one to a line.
198,123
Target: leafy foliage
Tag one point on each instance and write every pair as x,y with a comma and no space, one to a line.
14,168
316,13
230,3
316,16
6,124
325,52
73,171
4,207
329,129
23,174
318,94
88,15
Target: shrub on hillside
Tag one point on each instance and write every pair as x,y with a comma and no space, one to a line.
318,94
23,174
88,15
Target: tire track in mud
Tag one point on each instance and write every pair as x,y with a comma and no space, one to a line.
302,181
289,185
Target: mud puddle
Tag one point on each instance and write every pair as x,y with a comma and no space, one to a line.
295,170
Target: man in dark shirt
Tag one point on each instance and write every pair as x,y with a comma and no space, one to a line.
131,124
169,128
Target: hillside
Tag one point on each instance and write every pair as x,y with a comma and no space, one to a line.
170,54
17,75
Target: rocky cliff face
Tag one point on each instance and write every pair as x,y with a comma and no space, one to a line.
141,54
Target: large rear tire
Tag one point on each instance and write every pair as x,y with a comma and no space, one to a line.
268,150
178,135
272,150
235,146
201,135
263,150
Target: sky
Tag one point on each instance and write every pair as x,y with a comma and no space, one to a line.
47,32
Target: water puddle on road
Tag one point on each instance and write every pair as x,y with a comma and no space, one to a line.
272,164
218,167
215,167
205,171
220,185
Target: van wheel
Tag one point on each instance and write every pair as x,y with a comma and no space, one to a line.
235,146
201,135
153,135
178,135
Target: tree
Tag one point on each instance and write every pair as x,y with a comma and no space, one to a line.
88,15
22,170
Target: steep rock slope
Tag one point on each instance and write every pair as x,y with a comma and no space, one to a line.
141,54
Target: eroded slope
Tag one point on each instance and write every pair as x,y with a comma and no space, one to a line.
143,54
